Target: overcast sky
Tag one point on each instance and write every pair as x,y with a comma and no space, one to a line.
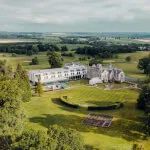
75,15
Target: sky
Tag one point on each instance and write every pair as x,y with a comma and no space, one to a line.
75,15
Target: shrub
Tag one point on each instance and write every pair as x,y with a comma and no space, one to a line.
67,103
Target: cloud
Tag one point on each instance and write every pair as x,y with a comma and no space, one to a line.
71,12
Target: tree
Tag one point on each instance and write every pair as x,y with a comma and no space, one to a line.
55,60
128,58
35,49
56,138
39,88
64,48
66,138
95,61
5,69
35,61
11,112
5,142
144,98
35,140
24,83
144,64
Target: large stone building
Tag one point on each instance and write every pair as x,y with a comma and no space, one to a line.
95,74
98,74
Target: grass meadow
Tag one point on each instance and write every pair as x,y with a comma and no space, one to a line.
126,128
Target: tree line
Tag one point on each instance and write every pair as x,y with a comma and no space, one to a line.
106,51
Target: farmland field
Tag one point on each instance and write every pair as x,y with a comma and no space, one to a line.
124,41
5,41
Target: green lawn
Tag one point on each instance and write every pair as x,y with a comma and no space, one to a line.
95,96
127,125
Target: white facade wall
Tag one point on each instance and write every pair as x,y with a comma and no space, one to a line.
70,71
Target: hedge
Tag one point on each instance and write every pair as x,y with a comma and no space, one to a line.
65,101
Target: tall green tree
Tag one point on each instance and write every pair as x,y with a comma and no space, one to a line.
35,49
39,88
54,60
11,112
69,139
24,83
5,69
144,98
144,64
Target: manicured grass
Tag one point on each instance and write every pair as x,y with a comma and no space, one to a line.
95,96
126,127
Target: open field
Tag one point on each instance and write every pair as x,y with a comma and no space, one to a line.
126,128
5,41
123,41
144,40
134,56
43,60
